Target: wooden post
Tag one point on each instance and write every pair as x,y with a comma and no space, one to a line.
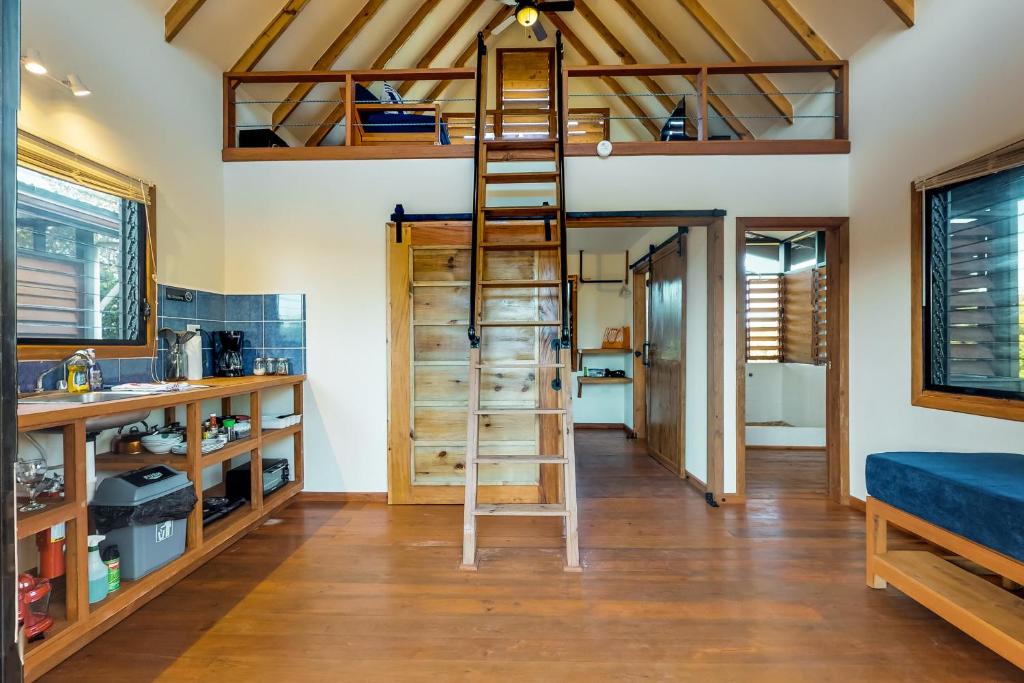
77,550
472,441
349,109
702,105
229,114
256,455
842,108
877,542
298,474
194,464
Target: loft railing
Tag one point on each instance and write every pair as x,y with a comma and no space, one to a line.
658,109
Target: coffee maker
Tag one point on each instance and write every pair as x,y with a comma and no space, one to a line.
227,353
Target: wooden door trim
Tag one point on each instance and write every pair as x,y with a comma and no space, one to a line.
715,486
837,410
639,337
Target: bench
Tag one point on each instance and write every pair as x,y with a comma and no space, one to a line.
971,504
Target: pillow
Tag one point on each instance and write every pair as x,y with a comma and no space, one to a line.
364,96
390,96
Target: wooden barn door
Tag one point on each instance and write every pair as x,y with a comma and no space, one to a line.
428,314
666,355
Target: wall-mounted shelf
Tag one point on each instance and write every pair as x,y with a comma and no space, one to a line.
581,380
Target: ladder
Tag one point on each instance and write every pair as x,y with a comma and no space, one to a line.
529,229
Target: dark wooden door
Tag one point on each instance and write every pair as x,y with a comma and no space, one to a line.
666,356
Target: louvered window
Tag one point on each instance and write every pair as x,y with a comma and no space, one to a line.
80,263
764,318
974,286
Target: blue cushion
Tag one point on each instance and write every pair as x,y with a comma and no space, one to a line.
403,123
364,96
979,496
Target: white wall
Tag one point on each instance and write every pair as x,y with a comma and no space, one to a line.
599,306
793,393
155,113
925,100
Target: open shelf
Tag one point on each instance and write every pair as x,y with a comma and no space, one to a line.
276,434
604,380
58,611
119,462
231,450
226,525
602,352
55,512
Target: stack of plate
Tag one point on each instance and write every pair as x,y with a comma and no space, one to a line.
161,444
208,446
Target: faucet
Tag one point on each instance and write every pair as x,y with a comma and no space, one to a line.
88,355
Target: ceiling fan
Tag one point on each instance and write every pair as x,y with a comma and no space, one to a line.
527,14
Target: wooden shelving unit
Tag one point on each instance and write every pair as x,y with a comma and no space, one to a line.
76,621
581,380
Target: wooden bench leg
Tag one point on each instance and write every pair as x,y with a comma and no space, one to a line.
877,532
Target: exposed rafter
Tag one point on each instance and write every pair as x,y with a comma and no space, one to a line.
443,40
736,53
179,14
470,50
611,83
274,30
904,9
338,113
801,30
327,60
627,58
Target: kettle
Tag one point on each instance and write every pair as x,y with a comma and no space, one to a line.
130,442
177,357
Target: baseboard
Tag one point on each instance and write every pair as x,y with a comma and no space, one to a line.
343,497
696,483
602,425
857,504
784,448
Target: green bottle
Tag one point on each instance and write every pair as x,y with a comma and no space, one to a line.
112,558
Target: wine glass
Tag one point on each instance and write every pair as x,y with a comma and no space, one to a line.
30,473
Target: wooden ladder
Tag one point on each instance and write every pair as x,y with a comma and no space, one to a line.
528,229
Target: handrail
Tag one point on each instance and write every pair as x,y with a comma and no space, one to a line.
478,146
562,100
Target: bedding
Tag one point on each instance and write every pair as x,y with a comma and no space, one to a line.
393,121
979,496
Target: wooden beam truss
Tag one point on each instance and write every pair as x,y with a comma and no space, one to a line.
266,39
179,14
904,9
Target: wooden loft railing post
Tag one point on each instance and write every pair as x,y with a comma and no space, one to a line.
842,112
229,112
702,105
349,108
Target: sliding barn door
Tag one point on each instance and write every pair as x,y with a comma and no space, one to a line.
666,355
428,293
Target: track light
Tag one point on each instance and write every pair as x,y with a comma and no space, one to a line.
75,85
527,13
33,62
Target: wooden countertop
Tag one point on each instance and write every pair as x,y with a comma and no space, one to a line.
42,415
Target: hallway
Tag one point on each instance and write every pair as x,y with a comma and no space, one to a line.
672,590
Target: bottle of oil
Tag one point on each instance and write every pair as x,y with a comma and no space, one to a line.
78,375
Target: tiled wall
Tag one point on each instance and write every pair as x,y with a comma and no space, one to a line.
274,325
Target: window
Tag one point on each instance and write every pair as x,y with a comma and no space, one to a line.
974,285
84,256
764,318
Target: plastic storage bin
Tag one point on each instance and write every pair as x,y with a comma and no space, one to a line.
143,513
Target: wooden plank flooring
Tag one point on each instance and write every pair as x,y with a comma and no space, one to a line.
672,591
781,473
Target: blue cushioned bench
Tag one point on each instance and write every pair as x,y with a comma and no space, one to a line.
971,505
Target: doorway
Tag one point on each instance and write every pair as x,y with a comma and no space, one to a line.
791,332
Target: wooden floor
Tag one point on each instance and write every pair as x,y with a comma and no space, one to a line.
673,590
780,473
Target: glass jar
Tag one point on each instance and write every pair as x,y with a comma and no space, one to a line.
259,366
281,367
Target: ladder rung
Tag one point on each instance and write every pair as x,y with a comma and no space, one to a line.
519,284
520,246
520,211
520,411
528,177
526,143
520,323
522,510
521,459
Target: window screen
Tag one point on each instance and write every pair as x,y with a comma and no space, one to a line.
974,286
80,263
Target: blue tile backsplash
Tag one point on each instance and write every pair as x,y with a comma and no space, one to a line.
274,326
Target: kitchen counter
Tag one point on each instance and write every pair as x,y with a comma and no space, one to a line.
32,416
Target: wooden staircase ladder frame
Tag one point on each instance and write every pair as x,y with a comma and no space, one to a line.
568,508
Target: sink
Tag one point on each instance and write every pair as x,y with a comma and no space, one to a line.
99,422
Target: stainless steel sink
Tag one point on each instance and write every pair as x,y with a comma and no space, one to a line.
99,422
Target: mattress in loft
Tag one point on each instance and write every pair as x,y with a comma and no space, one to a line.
979,496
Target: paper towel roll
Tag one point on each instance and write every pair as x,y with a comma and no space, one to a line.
194,353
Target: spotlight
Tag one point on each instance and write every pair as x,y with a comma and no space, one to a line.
33,62
79,89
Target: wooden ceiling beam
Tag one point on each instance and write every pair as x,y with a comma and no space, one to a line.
904,9
443,40
338,113
610,82
327,60
801,30
725,41
470,50
266,39
179,14
627,57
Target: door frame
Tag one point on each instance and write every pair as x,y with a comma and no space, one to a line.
837,326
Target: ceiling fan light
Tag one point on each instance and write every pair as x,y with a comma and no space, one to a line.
527,13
